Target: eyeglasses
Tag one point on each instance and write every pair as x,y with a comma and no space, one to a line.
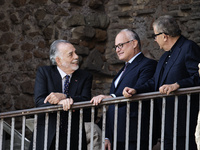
155,35
120,45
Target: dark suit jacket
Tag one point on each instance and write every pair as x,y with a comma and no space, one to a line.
182,67
137,73
49,80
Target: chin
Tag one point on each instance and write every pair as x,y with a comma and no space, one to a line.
75,67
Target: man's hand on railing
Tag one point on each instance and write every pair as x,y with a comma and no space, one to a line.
107,144
54,98
66,103
97,99
168,88
199,69
128,92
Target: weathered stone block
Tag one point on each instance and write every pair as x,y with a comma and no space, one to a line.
2,88
104,21
92,20
48,33
81,50
97,20
78,2
124,2
57,1
94,4
94,61
3,49
23,102
14,19
38,2
4,26
83,32
101,35
40,14
75,20
2,2
27,87
40,54
27,56
27,46
19,3
7,38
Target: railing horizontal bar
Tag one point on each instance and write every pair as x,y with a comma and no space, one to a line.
109,101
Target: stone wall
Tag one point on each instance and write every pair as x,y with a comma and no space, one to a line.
28,27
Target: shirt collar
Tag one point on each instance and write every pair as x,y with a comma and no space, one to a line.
62,73
131,60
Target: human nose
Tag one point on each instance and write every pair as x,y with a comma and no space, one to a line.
75,56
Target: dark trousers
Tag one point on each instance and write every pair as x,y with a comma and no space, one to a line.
132,145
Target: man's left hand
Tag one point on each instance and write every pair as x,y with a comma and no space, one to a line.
168,88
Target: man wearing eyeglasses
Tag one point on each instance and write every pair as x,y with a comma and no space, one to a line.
177,68
136,71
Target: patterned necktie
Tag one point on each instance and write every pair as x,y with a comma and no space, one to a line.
66,86
63,122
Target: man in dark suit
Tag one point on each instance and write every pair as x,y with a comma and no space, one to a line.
50,89
177,68
137,70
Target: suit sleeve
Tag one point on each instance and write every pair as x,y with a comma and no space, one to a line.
192,58
40,90
146,82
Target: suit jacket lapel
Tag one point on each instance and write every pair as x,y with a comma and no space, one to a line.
175,53
56,79
74,83
159,69
130,67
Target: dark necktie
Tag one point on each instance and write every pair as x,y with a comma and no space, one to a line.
125,66
66,86
63,122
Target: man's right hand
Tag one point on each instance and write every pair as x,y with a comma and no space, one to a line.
128,92
107,144
54,98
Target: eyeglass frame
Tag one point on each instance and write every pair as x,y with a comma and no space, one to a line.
120,45
155,35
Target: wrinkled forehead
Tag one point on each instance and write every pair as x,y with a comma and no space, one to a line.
66,47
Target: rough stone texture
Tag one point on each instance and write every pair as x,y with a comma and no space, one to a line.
28,27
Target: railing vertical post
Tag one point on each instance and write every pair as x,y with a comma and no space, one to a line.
57,130
46,130
187,122
163,122
69,129
115,127
175,121
35,131
103,128
139,124
127,124
80,128
1,133
151,124
92,129
12,133
23,131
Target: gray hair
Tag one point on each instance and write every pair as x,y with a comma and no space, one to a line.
54,50
168,25
132,35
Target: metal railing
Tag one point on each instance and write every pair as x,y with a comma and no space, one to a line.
112,101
